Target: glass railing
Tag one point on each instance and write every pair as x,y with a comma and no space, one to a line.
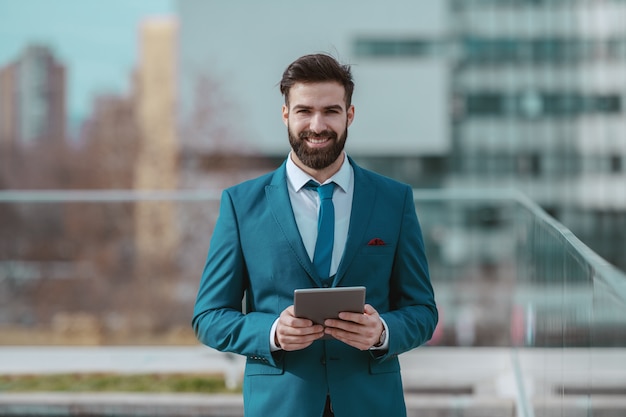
507,274
533,315
102,267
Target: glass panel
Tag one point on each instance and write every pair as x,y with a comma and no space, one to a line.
530,318
101,268
573,305
508,276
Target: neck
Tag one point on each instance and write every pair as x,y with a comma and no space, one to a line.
320,175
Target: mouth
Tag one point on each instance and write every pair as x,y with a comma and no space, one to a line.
316,141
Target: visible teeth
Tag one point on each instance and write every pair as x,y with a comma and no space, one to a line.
317,141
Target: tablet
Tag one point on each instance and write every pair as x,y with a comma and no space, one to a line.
319,304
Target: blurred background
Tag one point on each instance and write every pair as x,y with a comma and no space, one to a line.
122,121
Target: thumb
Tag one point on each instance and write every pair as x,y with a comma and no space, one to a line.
369,310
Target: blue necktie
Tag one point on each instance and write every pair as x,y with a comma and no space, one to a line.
325,229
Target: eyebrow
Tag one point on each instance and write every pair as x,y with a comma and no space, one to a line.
305,107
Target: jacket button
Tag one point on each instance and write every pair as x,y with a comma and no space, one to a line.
323,360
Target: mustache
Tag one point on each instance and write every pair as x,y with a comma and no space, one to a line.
306,134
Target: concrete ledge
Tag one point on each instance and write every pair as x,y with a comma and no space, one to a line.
458,406
120,405
195,405
580,406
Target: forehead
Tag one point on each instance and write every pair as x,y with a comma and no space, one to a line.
320,94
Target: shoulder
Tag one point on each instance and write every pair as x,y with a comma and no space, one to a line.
379,181
247,190
251,184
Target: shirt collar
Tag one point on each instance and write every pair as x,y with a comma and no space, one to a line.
298,178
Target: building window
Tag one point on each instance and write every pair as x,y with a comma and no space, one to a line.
398,48
616,164
480,51
480,104
529,164
540,104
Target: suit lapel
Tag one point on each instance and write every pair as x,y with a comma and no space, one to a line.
280,205
362,206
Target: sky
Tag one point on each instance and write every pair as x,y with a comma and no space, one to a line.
95,39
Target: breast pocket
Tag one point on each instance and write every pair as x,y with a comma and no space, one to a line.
375,261
372,250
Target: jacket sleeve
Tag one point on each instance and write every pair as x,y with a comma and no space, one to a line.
218,319
413,313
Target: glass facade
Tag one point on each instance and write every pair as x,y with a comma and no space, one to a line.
537,90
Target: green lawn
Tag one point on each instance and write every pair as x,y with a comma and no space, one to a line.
190,383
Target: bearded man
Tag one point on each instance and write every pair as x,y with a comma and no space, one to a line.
319,220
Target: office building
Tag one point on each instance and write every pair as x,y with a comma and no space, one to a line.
33,98
111,139
538,90
157,154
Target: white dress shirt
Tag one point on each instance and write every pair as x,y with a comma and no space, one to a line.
305,204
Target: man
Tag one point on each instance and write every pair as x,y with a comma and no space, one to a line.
265,245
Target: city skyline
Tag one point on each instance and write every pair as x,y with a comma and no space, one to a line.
540,110
96,41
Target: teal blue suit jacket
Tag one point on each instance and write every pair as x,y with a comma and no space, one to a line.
256,249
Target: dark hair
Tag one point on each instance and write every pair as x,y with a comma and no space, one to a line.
317,68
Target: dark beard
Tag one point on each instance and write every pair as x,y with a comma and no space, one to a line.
317,158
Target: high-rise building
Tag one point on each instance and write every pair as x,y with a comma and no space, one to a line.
538,89
157,158
8,122
111,138
33,98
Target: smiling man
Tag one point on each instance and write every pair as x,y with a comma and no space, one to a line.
317,116
319,220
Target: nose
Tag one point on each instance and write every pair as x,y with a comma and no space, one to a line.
317,123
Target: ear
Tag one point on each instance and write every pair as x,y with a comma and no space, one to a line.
285,115
350,114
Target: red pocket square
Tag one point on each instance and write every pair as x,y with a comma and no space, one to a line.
376,242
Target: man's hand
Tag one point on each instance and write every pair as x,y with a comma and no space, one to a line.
293,333
361,331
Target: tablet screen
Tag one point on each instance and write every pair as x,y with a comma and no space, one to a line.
319,304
